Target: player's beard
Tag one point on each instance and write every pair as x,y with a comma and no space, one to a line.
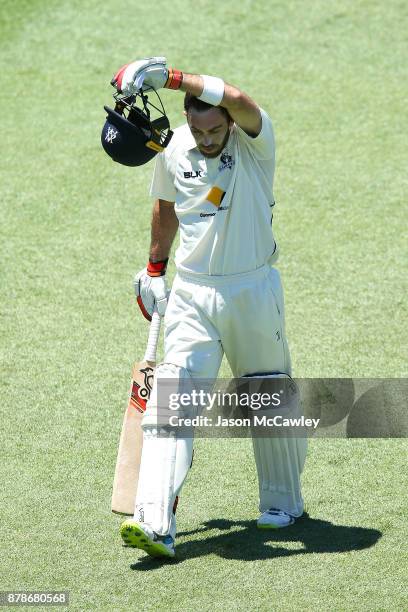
218,150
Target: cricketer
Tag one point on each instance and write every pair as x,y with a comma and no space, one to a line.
213,183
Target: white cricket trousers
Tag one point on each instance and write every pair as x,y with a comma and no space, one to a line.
242,316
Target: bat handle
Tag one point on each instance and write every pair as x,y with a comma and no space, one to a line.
153,340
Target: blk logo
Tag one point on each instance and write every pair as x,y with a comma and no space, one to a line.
193,175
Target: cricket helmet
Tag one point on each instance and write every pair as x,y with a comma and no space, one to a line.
130,136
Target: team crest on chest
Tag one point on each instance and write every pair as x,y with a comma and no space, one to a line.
226,161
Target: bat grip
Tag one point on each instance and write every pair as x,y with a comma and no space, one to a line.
153,339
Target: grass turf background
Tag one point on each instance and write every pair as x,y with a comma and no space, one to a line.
74,229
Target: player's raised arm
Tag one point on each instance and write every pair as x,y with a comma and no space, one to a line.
153,72
213,90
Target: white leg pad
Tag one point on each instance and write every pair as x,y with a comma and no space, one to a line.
165,461
279,462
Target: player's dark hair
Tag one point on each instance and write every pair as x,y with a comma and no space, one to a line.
191,101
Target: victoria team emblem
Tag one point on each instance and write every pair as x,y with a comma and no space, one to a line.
226,161
111,134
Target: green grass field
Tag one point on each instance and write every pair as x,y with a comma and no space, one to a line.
75,228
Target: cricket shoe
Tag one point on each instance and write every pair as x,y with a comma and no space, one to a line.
139,535
274,519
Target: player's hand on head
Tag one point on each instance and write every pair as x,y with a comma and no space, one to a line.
151,291
141,74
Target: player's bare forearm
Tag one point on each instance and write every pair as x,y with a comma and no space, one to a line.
243,110
164,230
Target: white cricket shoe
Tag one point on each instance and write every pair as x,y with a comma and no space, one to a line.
139,535
274,519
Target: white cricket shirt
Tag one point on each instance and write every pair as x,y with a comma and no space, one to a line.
223,204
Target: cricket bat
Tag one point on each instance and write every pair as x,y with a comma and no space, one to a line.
131,437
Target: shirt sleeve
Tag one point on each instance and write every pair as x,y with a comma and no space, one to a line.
263,146
162,185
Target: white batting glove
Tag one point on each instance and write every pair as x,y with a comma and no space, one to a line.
151,289
141,74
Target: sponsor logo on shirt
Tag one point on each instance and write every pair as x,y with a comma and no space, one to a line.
213,214
193,174
226,162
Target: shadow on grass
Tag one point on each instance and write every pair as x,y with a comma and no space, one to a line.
242,540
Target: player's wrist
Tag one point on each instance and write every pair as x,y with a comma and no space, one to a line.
157,268
174,79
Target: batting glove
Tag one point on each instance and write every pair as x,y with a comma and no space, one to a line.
151,288
145,74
